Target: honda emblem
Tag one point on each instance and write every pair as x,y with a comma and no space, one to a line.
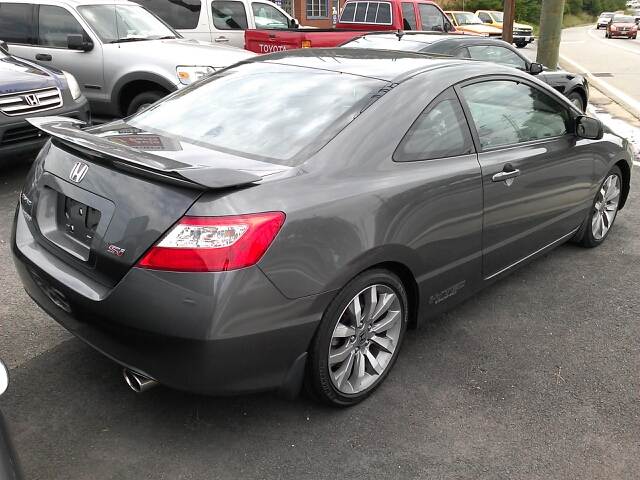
32,100
78,172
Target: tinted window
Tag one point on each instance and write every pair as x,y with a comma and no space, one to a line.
348,13
506,113
361,12
485,18
177,13
501,55
229,16
431,17
409,14
440,131
462,53
262,111
54,24
16,23
367,12
267,16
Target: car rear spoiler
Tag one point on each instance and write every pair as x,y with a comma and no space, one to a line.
67,131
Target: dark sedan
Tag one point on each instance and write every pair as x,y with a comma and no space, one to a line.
286,219
27,90
575,87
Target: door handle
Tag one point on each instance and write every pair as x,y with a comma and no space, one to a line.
221,40
44,57
502,176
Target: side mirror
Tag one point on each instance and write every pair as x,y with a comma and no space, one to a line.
589,127
76,42
448,27
4,47
294,23
535,68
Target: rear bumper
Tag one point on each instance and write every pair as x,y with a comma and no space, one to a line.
210,333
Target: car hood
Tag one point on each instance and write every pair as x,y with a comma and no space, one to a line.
623,24
481,29
19,76
182,51
522,26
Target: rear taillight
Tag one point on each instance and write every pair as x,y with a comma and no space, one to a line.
214,244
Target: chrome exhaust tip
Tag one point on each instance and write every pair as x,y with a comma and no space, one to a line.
138,382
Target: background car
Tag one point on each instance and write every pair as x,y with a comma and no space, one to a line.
573,86
301,210
27,90
123,56
470,22
522,33
622,26
604,19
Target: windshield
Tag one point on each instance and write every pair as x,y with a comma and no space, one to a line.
385,43
623,20
606,15
467,18
121,23
497,16
275,113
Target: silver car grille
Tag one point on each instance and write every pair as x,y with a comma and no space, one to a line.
33,101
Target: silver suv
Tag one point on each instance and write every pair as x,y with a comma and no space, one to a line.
123,56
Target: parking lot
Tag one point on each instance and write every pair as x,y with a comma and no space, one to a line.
534,377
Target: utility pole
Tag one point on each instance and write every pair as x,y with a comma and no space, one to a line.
550,33
507,20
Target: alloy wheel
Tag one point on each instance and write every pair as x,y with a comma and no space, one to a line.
364,339
606,207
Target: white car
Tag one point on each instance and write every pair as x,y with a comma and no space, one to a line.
123,56
604,19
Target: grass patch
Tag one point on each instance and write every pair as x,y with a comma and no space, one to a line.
576,20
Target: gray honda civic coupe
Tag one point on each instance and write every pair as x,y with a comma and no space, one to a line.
283,222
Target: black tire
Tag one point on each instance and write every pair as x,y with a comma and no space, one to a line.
597,27
343,384
577,100
521,44
598,219
143,100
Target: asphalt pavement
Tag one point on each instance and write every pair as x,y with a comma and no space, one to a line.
534,377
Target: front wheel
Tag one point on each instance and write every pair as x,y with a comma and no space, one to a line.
604,210
358,339
521,44
576,99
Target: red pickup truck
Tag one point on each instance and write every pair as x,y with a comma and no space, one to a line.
356,18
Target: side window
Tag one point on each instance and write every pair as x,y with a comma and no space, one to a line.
501,55
440,131
485,18
431,17
378,13
16,23
181,14
506,113
54,24
267,16
409,14
228,15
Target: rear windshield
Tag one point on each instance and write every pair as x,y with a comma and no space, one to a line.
274,113
378,13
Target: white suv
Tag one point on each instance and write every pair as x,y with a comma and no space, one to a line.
123,56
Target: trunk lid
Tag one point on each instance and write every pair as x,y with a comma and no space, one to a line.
100,200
